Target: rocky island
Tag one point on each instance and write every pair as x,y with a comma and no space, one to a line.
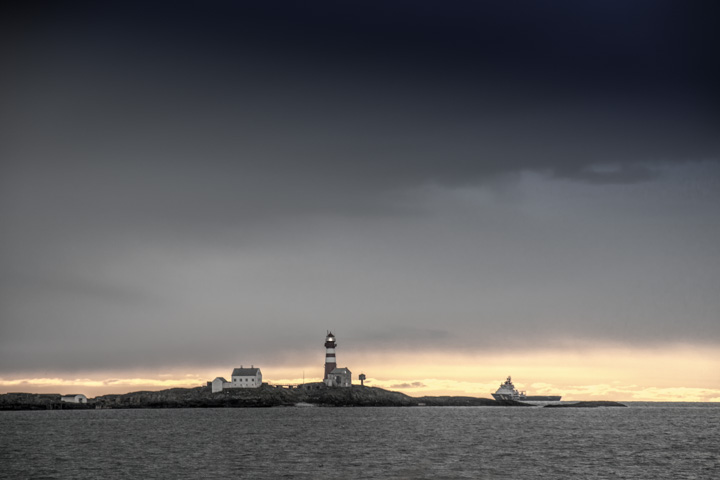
264,396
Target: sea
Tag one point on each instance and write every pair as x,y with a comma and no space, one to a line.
643,441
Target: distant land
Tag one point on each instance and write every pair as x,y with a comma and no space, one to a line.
262,397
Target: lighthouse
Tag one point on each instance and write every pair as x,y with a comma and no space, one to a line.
334,376
330,362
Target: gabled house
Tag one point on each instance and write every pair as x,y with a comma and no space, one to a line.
246,377
241,378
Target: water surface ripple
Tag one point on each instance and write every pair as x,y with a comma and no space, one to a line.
364,443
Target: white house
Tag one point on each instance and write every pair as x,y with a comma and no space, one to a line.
74,398
241,378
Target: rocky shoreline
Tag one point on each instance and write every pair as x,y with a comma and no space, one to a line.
262,397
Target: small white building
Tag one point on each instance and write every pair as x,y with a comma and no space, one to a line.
241,378
74,398
218,384
339,377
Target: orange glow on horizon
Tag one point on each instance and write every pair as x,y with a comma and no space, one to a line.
680,373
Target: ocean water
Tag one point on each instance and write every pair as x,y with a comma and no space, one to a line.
642,441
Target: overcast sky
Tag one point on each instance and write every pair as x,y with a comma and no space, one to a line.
217,183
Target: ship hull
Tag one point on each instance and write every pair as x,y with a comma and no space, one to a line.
529,398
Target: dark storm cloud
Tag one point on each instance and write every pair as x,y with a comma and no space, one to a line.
367,96
143,141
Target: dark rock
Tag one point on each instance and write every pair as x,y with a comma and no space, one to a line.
38,401
265,396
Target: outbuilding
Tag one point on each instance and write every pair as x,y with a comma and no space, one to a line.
74,398
218,384
339,377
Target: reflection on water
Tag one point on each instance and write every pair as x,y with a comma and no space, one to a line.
368,443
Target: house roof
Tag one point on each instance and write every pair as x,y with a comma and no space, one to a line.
341,370
221,379
245,372
73,395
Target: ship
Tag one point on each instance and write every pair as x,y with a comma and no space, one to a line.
507,391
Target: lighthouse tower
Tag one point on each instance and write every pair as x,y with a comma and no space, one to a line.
330,345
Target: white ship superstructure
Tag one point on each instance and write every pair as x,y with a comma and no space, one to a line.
507,391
